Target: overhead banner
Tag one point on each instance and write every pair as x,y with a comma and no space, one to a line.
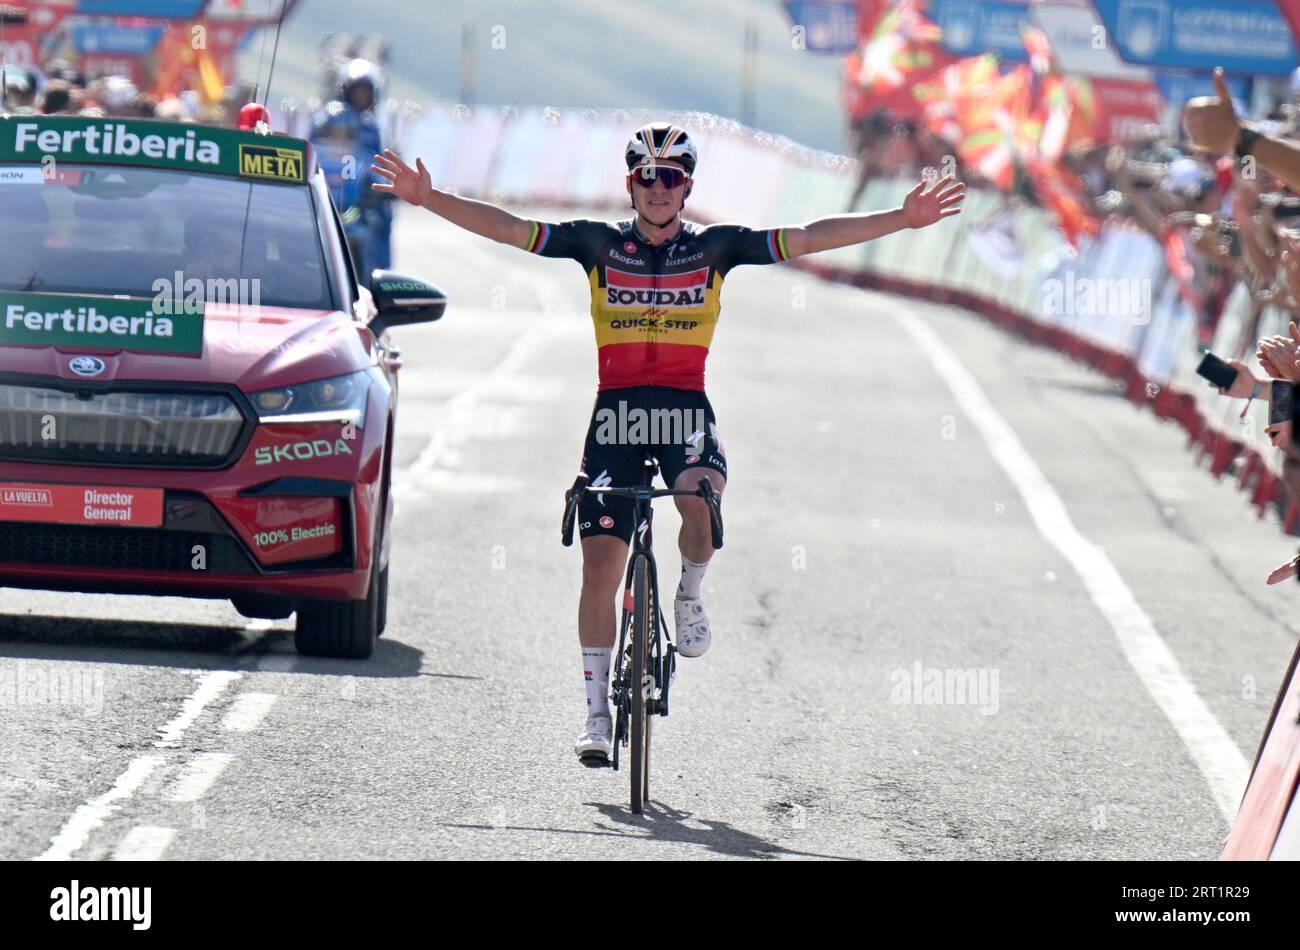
1247,37
161,9
1125,108
1080,44
972,27
21,45
829,26
117,39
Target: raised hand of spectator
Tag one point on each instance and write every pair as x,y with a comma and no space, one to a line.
1290,263
1278,355
1244,385
1279,434
1210,121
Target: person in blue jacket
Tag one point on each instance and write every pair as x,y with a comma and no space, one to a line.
346,135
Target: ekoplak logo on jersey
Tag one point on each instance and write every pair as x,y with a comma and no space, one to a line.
99,322
153,144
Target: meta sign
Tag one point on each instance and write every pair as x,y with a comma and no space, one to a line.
1249,37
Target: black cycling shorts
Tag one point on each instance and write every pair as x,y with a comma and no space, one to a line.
675,426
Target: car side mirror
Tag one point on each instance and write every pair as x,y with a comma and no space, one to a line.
401,301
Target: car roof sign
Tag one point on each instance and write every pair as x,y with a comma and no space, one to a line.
170,145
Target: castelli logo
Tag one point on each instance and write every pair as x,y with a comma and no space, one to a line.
630,247
606,521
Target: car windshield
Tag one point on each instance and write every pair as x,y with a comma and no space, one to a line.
94,229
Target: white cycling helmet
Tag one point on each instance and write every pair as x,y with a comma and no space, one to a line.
359,71
659,140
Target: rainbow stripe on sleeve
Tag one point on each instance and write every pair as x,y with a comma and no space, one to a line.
776,244
537,240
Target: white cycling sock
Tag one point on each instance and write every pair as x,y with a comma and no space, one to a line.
688,588
595,666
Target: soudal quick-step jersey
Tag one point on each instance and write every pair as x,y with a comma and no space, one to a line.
655,307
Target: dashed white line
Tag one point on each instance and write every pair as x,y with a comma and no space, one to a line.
93,813
144,843
211,685
247,712
199,775
1211,748
459,406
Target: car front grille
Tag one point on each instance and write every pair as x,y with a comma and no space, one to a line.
75,546
118,427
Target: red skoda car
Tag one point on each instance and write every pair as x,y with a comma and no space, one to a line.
197,394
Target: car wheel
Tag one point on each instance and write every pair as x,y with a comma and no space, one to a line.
343,629
383,603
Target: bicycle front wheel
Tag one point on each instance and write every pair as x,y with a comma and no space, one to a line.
643,620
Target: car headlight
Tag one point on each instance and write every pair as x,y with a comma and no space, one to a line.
337,399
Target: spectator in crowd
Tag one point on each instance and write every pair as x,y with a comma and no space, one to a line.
20,90
56,98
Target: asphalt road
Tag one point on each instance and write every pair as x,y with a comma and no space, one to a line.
888,525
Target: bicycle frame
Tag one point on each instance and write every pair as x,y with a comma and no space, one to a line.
659,662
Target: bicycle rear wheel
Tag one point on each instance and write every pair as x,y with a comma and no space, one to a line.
643,619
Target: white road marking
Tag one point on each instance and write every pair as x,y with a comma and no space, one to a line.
462,421
144,843
460,407
247,712
93,813
1211,748
211,685
198,776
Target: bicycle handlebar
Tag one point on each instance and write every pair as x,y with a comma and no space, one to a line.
711,498
706,491
571,498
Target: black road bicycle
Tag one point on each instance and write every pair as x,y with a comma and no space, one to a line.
645,659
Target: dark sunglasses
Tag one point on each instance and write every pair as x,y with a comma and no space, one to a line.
647,175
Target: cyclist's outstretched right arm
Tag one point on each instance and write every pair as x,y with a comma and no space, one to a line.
414,185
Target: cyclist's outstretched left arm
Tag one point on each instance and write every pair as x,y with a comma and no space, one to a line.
920,209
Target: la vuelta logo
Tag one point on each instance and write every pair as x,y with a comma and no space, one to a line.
32,497
665,290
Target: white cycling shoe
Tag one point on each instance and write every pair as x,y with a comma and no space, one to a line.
595,744
693,636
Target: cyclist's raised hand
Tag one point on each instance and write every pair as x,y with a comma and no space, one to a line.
409,184
922,208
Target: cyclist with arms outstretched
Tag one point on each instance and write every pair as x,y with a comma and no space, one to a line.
655,285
